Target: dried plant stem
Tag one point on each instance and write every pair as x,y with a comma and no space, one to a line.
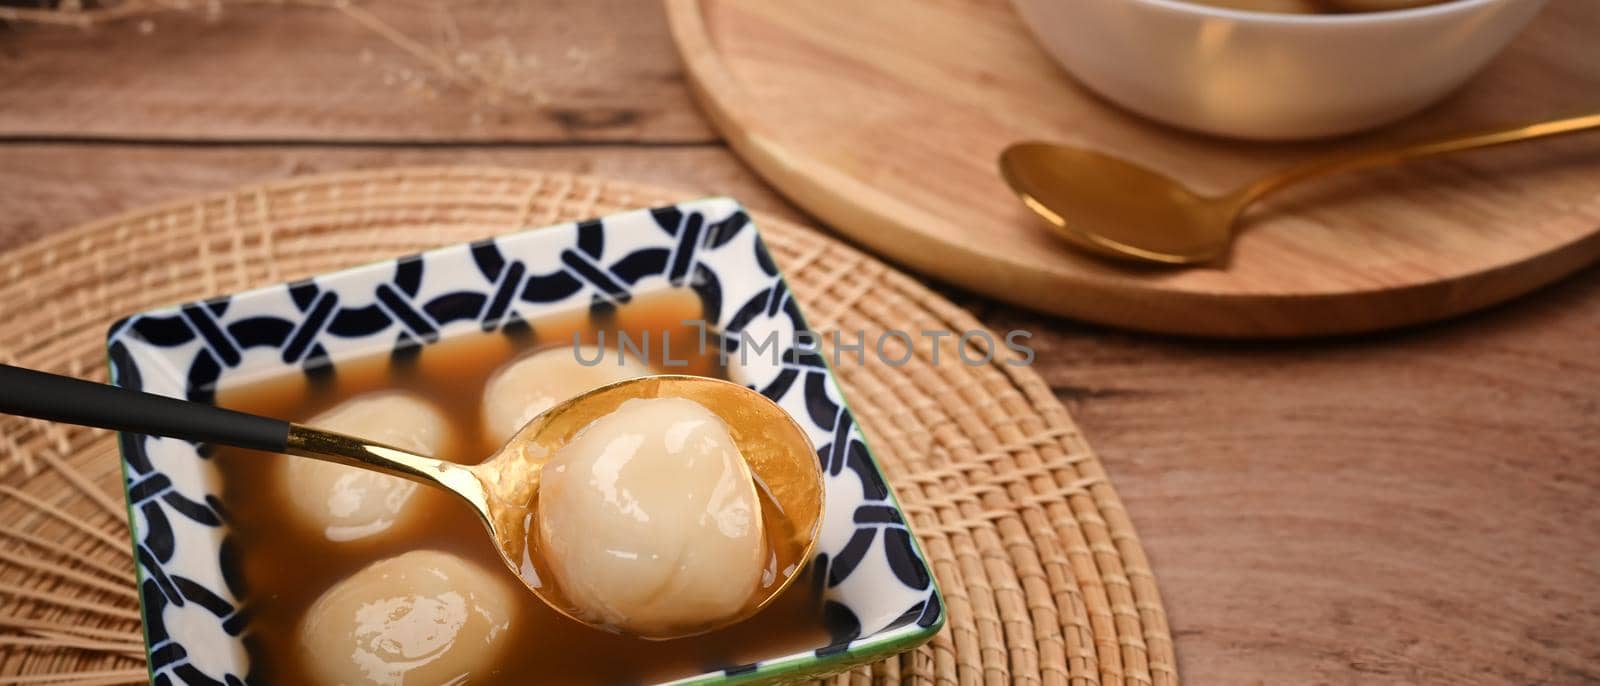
98,678
110,505
71,603
72,575
124,647
128,9
112,542
369,20
45,627
57,548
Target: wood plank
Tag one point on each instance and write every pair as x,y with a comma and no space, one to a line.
572,70
48,187
1416,507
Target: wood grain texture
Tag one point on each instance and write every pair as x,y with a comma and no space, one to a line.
886,119
45,187
1412,507
574,70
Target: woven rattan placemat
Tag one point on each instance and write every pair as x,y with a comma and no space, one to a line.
1043,574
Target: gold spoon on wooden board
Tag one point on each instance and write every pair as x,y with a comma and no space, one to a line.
1116,208
503,488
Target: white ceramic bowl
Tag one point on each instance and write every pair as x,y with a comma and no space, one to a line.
1272,76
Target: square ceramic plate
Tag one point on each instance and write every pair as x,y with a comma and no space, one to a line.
880,596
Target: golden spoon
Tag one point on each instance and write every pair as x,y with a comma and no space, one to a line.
500,489
1115,208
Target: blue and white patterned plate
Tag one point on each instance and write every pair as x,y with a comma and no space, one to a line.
881,597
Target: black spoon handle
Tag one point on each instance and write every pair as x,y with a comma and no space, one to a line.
64,399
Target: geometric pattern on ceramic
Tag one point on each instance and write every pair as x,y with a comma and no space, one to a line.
880,595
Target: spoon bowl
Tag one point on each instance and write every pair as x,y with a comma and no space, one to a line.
502,489
1115,208
780,456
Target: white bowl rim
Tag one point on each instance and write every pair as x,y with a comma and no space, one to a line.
1346,19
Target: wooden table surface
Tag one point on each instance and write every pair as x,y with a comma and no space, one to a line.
1417,506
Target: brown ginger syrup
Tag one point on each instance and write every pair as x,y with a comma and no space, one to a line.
286,565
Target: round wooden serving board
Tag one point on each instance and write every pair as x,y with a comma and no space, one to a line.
885,119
